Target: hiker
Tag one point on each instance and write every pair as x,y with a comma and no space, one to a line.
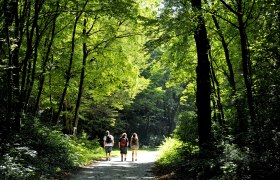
123,144
108,142
134,145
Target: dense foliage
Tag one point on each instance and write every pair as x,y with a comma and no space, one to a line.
244,62
202,76
41,152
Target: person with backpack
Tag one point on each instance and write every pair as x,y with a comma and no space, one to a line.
134,145
123,144
108,142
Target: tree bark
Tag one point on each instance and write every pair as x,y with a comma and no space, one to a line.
68,72
241,118
246,62
46,59
203,77
85,54
27,87
216,87
17,34
8,19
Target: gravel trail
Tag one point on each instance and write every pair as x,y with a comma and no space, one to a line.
117,170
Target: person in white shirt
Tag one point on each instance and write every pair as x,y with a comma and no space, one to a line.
108,142
134,144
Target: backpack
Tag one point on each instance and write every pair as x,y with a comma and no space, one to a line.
134,141
108,139
123,142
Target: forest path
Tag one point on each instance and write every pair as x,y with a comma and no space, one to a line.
117,170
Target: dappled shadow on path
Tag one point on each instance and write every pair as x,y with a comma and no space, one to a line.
116,170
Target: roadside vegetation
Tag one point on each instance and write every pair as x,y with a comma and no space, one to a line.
181,160
42,152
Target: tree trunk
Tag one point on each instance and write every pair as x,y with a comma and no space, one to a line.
12,18
171,106
68,73
17,34
50,96
216,87
85,54
241,118
27,89
44,66
243,122
8,19
246,62
203,77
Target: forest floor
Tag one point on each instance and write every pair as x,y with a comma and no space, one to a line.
117,170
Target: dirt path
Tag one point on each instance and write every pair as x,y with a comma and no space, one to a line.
117,170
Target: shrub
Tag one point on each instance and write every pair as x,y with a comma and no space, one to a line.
41,152
172,151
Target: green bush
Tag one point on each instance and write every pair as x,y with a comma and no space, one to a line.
186,129
41,152
172,151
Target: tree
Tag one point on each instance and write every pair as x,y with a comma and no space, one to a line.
240,13
203,77
68,72
49,42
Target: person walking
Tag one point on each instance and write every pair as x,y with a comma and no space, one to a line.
108,142
123,144
134,145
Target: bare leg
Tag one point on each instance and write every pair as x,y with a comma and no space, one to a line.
132,155
136,155
106,153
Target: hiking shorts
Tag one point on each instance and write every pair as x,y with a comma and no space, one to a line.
134,147
108,149
123,150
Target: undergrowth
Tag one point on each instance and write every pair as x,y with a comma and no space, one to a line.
225,161
41,152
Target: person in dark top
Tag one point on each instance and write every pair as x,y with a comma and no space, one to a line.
108,142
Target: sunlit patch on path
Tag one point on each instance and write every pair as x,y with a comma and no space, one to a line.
115,169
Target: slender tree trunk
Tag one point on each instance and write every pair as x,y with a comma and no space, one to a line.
85,54
214,92
171,106
241,121
28,52
203,77
68,73
12,18
50,88
216,86
246,62
8,19
35,56
16,68
45,61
